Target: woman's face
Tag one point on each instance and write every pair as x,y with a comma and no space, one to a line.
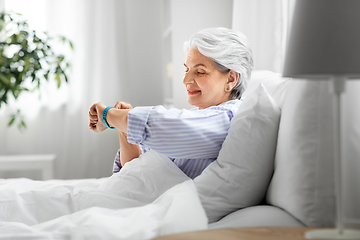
205,84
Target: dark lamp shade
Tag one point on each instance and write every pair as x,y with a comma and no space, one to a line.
324,40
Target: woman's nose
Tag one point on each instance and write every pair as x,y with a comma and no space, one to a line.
188,79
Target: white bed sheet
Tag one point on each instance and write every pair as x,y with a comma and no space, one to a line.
149,197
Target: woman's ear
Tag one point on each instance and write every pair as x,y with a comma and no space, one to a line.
233,77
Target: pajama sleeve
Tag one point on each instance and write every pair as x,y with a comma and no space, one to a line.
117,163
181,133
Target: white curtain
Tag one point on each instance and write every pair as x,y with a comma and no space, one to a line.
266,24
116,58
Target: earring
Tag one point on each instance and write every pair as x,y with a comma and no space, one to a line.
227,89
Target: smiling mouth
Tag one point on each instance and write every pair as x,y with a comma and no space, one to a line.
193,92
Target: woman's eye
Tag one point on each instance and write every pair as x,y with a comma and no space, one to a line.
200,73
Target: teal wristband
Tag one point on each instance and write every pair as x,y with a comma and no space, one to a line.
104,117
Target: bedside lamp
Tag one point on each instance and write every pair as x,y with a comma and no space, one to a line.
324,44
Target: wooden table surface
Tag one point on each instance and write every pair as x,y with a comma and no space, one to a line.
254,233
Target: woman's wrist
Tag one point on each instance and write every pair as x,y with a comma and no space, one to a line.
104,117
118,118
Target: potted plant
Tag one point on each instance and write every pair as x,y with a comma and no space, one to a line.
27,55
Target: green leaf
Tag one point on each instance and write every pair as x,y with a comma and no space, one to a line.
27,65
60,58
5,80
12,120
23,124
58,79
16,93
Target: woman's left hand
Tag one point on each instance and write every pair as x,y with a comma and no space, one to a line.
95,117
122,105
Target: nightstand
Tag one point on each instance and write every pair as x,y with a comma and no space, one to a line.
43,162
254,233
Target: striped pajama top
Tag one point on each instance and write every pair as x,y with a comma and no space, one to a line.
191,138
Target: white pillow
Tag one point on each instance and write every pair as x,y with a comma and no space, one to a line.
241,174
274,83
303,181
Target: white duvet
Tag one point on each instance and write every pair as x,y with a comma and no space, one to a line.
149,197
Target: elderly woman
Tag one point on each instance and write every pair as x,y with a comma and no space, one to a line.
217,67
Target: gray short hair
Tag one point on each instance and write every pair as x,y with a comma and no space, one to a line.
229,50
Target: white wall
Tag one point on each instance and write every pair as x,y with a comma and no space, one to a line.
188,17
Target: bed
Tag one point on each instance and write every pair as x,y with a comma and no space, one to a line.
265,175
136,204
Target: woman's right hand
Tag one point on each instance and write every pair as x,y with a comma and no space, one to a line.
95,117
